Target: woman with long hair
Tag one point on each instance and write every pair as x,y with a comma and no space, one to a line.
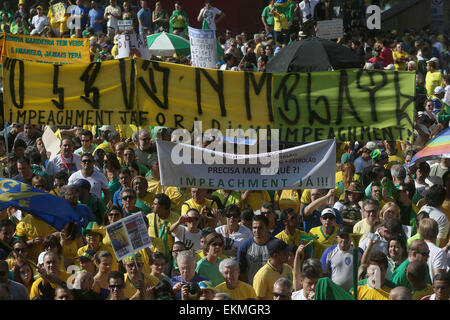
160,18
111,167
24,274
103,262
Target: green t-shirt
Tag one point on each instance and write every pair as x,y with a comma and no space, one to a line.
266,14
399,276
144,208
233,198
210,271
97,207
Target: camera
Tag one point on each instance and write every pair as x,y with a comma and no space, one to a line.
193,290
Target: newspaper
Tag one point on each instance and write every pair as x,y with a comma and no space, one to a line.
129,235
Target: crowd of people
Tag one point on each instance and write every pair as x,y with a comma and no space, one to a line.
229,244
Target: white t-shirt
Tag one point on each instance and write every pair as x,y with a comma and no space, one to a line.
437,259
447,95
308,8
440,218
210,16
238,237
112,21
182,234
56,164
298,295
97,180
380,245
39,23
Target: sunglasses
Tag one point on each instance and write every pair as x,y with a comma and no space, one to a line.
86,161
115,286
279,295
232,215
20,249
328,217
127,198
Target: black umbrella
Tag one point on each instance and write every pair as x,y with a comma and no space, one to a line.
314,54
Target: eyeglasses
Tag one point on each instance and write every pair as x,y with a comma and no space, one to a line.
126,198
328,217
232,216
86,161
20,249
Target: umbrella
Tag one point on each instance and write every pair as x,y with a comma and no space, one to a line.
436,148
314,54
166,44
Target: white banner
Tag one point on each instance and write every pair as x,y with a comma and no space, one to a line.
309,166
330,29
130,44
128,235
203,48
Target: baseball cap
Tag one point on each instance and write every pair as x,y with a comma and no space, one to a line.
93,227
107,127
83,184
347,157
328,211
134,257
378,154
432,180
371,145
276,246
88,255
206,285
344,230
41,257
389,67
439,90
434,59
355,187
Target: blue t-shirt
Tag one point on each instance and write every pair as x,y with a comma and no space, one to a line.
116,197
96,14
251,257
146,17
197,278
80,11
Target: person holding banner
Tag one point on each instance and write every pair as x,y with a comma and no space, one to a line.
208,15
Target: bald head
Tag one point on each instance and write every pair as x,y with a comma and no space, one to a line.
400,293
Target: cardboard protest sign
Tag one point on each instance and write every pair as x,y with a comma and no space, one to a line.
203,48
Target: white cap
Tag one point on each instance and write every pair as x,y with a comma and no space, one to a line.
434,59
371,145
109,128
389,67
41,257
328,211
439,90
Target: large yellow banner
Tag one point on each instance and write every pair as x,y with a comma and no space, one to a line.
345,104
76,94
47,50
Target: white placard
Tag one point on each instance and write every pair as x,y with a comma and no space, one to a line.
51,142
309,166
203,48
330,29
130,44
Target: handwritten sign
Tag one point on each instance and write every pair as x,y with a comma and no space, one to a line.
130,45
58,11
330,29
352,104
203,48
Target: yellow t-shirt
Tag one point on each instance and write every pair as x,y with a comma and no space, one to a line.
322,242
154,187
288,199
35,289
256,199
266,276
280,21
367,293
419,294
446,208
242,292
432,80
292,239
191,204
130,289
30,227
362,227
158,243
177,197
398,158
401,65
